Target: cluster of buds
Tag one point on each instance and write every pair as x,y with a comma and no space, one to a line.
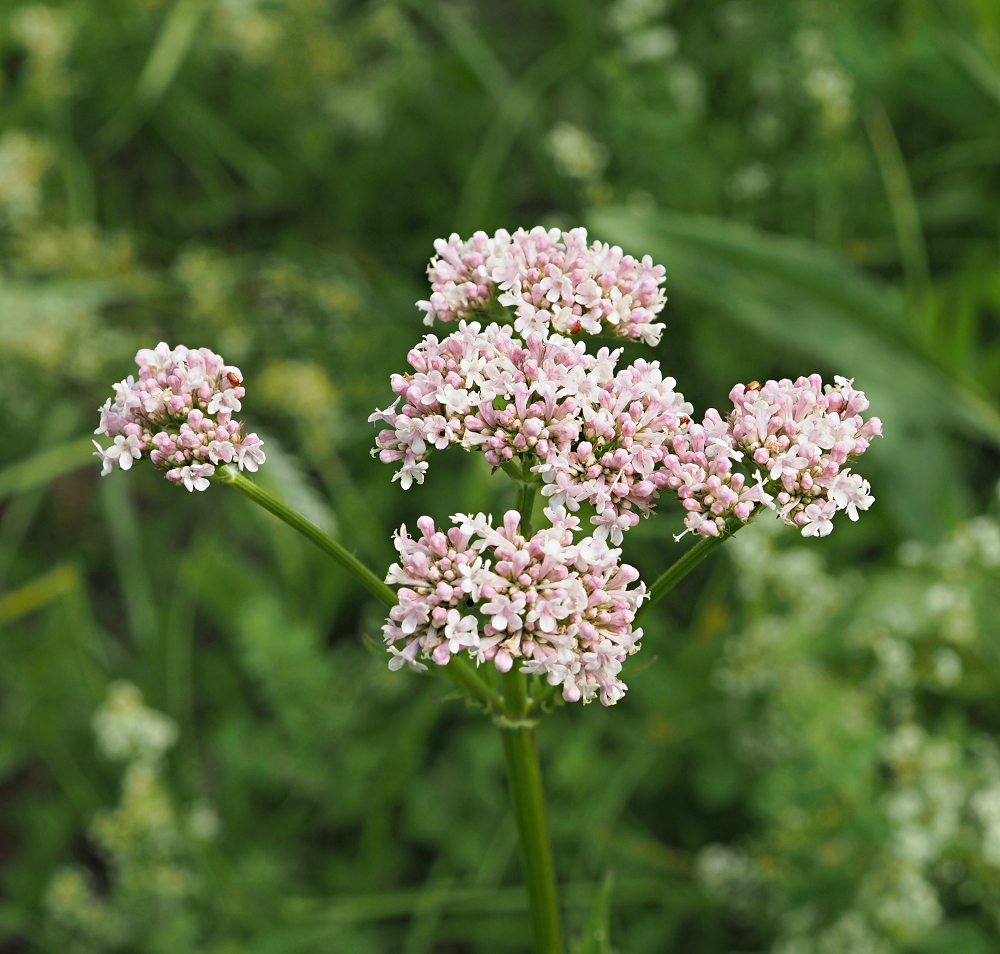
551,279
180,411
801,434
554,608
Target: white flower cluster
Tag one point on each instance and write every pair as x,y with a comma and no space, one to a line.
561,609
128,731
553,280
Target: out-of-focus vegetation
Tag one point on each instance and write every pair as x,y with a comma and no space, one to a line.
197,752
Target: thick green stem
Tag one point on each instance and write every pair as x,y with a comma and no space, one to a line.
326,543
669,579
524,776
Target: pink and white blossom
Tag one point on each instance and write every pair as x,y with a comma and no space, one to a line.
553,280
179,411
554,608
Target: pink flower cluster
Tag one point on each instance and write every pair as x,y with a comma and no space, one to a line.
801,434
560,609
616,439
551,280
593,435
180,411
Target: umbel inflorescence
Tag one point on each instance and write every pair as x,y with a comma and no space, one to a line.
510,382
563,610
551,280
535,401
180,412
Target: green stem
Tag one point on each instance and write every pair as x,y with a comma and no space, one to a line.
525,504
672,576
466,677
457,671
524,776
326,543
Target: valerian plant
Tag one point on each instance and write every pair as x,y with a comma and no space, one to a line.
531,611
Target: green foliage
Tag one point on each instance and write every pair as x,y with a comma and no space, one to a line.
809,766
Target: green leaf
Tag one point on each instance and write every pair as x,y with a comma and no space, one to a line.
40,592
596,938
173,43
46,466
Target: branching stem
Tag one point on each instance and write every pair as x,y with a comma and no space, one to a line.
527,792
457,671
682,567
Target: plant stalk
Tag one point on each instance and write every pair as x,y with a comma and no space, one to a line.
527,793
525,504
326,543
524,777
457,671
682,567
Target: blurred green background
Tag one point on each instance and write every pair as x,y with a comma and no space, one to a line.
197,753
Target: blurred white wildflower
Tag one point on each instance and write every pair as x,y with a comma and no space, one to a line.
687,89
728,873
24,160
951,607
947,664
142,840
751,182
203,822
976,542
825,80
832,89
986,805
128,731
46,33
851,933
907,905
75,251
626,16
913,553
895,662
240,25
649,45
576,153
76,911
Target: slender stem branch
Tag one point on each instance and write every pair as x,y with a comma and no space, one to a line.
465,676
326,543
457,671
525,504
524,776
682,567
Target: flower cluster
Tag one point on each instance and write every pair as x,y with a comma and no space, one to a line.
616,438
562,610
552,280
592,435
802,434
700,471
180,412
